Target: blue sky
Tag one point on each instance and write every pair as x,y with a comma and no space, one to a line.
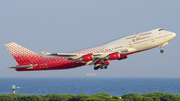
67,26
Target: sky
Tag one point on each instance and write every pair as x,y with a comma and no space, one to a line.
70,25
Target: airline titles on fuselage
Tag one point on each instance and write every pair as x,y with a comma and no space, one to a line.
137,39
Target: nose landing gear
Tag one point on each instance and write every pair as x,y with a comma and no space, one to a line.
162,51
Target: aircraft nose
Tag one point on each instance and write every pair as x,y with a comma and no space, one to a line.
174,34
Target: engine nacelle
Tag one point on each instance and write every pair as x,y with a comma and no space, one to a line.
105,62
113,56
122,57
87,57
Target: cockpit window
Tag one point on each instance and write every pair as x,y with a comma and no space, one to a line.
160,29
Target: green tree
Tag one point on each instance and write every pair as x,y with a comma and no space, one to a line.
147,99
126,100
85,99
131,95
138,98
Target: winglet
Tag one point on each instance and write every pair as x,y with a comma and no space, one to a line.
45,53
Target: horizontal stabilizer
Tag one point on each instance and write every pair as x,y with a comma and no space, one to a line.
23,66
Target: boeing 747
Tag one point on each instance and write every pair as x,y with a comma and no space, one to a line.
98,56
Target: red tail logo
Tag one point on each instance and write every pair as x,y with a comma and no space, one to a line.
21,54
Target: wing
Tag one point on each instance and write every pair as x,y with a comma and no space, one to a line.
66,55
91,58
74,56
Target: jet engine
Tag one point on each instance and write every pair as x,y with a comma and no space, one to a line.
122,57
87,57
113,56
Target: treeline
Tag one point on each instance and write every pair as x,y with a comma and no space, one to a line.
97,97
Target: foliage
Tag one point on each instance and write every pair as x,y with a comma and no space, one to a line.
157,96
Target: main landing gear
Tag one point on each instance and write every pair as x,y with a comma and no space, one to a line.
100,66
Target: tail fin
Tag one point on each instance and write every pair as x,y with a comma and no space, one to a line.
21,54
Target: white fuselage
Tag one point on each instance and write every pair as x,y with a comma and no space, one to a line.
141,41
133,43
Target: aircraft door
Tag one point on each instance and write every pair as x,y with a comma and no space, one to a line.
130,44
152,39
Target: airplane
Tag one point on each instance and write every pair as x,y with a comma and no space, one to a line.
98,56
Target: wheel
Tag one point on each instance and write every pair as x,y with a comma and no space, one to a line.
105,67
96,68
161,51
101,67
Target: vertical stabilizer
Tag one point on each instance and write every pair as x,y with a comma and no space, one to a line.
21,54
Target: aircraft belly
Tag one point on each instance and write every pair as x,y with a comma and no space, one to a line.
66,65
145,46
55,67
